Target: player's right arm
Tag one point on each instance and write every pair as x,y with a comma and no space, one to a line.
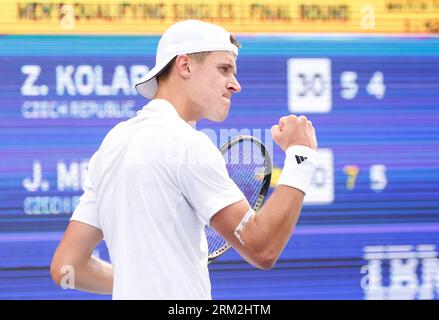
73,265
266,234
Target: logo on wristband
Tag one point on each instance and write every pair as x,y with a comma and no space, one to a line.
300,159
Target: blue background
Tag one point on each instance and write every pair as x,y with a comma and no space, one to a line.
325,256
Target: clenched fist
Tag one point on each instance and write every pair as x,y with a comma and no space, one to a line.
293,130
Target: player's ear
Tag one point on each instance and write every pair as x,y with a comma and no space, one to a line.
183,65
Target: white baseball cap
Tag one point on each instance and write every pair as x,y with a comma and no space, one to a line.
184,37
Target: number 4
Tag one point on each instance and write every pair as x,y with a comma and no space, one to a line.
376,86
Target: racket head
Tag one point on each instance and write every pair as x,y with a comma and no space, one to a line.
249,166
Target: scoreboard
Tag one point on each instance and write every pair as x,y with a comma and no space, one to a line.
369,228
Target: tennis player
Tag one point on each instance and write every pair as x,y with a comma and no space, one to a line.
155,182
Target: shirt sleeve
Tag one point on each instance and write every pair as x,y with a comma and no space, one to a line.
86,211
204,180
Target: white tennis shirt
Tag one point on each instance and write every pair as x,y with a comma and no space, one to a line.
151,188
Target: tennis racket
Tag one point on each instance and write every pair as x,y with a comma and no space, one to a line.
249,166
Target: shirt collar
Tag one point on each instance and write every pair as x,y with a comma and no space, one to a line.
160,106
163,107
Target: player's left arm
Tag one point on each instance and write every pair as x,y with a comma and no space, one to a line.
260,238
266,234
73,265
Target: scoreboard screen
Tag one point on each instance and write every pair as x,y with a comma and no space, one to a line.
369,227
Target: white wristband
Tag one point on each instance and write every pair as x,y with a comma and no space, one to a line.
299,167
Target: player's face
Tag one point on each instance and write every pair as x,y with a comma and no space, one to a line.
214,82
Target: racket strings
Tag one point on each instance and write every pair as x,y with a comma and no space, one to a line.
246,168
246,165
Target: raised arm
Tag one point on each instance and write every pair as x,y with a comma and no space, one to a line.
262,239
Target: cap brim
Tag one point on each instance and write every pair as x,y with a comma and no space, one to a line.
147,86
